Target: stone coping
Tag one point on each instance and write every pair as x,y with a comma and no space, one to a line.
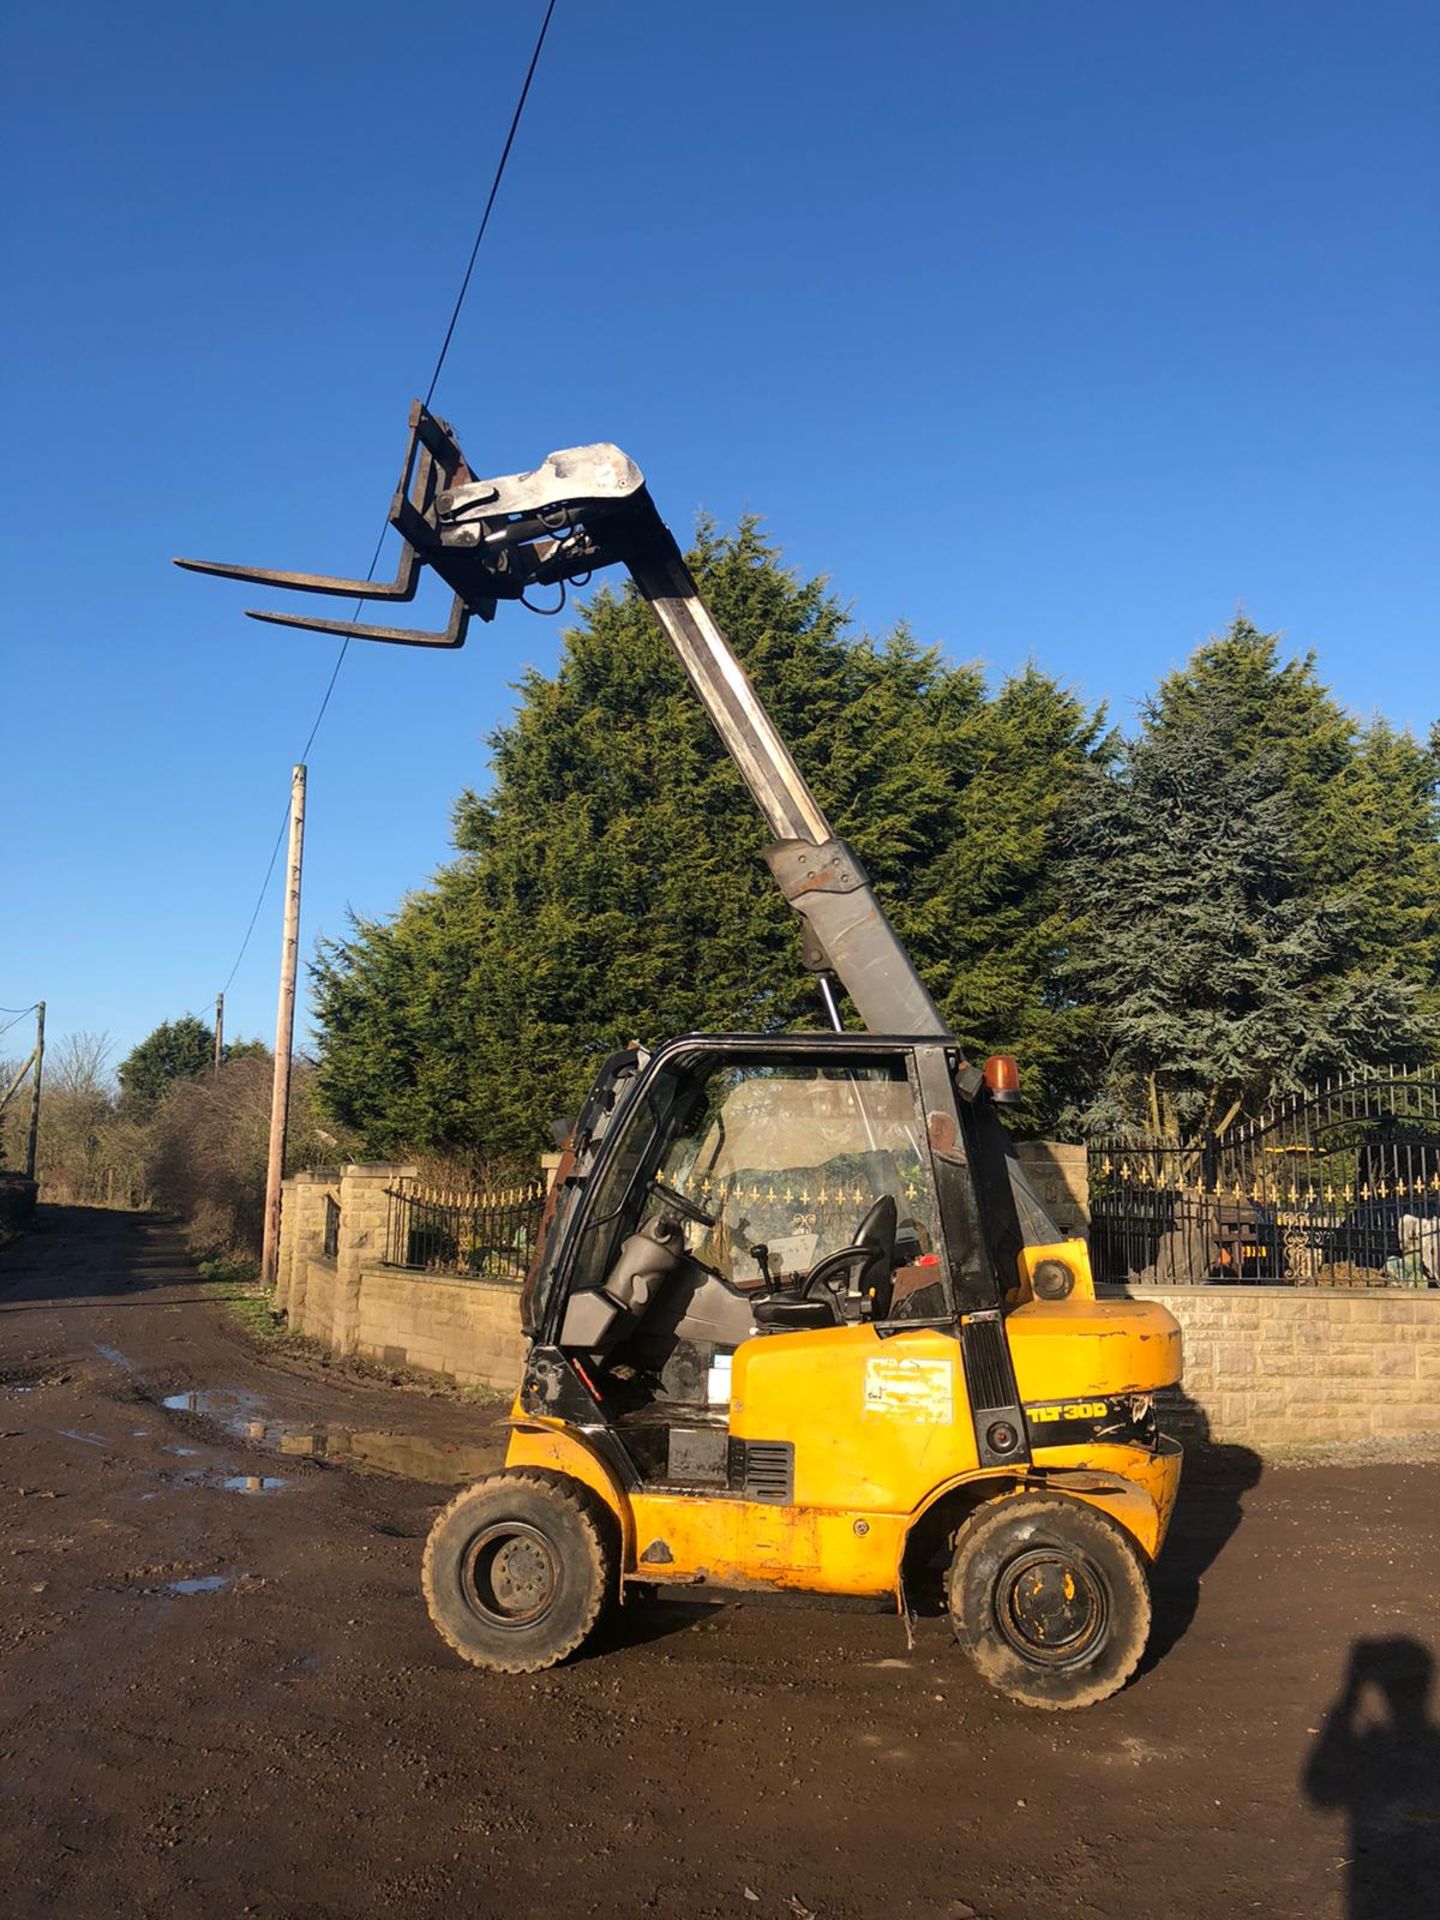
381,1269
1225,1290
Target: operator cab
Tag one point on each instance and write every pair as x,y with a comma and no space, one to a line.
748,1188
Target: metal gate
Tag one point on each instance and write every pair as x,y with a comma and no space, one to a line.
490,1235
1339,1186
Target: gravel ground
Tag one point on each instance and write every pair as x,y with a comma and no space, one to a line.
220,1694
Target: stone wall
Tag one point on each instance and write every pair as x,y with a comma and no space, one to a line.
466,1329
1271,1367
1265,1367
1060,1176
453,1324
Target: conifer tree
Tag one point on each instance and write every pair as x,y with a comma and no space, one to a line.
1261,892
610,884
176,1050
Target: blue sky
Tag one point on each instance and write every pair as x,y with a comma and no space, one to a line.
1059,331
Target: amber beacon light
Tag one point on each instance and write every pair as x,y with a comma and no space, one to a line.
1002,1076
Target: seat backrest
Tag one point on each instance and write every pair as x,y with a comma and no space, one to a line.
876,1276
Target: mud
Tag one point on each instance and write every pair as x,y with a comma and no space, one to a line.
220,1705
433,1458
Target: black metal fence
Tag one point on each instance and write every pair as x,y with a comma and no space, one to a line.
1336,1187
330,1239
489,1235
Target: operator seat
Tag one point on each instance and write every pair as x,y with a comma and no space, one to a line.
877,1231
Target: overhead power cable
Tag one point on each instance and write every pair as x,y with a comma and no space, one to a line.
429,395
490,201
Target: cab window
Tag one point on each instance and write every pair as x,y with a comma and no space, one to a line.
791,1155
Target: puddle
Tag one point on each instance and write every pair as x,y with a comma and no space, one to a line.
411,1456
114,1356
225,1404
90,1439
221,1481
207,1583
183,1453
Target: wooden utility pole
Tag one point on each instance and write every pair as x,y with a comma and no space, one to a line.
219,1030
284,1031
35,1091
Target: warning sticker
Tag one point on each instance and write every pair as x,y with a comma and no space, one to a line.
916,1389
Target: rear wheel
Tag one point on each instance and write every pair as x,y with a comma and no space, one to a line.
517,1570
1050,1599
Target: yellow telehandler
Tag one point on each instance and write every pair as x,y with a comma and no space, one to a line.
797,1319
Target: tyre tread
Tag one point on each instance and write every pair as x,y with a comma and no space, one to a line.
586,1509
995,1662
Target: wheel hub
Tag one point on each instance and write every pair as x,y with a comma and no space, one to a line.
1051,1606
510,1574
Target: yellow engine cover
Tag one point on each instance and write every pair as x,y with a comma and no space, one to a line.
880,1428
1074,1349
875,1423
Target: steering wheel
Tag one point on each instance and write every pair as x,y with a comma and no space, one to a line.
687,1209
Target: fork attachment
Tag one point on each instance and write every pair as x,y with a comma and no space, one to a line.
488,540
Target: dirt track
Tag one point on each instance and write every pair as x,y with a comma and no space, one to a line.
220,1697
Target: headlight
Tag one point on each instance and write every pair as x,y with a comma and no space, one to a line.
1052,1280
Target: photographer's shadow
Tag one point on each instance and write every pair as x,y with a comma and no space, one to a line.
1378,1757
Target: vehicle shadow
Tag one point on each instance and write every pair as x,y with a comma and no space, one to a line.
646,1617
1215,1479
1378,1759
651,1613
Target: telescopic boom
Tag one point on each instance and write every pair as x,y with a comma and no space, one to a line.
585,508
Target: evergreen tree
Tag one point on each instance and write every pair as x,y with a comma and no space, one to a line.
610,885
1382,850
992,919
1261,885
1362,800
176,1050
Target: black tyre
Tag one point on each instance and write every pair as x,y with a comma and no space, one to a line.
1050,1599
517,1570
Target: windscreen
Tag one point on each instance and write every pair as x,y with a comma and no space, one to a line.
791,1154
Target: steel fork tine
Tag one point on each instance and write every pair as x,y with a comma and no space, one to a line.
402,587
453,636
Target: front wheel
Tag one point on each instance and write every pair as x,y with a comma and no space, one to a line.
1050,1599
517,1569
